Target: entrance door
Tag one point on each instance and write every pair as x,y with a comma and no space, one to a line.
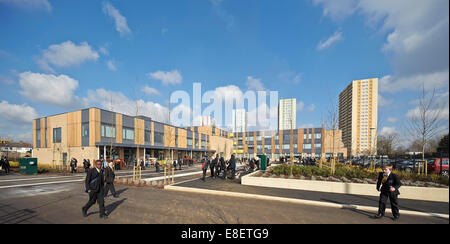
64,158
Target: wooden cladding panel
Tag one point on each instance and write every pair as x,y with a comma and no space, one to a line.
74,129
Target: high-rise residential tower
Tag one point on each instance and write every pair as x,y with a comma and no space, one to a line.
239,118
287,109
358,115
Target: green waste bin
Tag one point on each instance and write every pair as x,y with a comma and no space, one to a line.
263,158
28,165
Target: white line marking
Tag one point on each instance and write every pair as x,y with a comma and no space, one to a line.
45,183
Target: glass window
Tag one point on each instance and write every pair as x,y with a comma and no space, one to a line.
108,131
159,137
127,134
318,136
306,146
148,136
286,146
38,135
189,142
57,135
85,129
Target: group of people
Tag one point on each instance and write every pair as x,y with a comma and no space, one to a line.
218,167
4,163
98,183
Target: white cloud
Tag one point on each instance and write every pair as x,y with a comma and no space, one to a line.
337,10
111,65
382,101
385,131
301,106
166,77
229,93
30,4
150,91
417,31
17,113
51,89
254,84
431,81
392,120
66,54
122,104
221,13
337,36
441,114
119,20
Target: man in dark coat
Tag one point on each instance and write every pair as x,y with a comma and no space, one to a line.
94,185
212,166
73,165
86,165
233,166
390,184
6,165
205,164
109,178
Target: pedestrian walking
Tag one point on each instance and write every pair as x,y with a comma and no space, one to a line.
94,185
223,167
390,184
205,165
233,166
73,165
2,162
109,179
6,165
86,165
212,166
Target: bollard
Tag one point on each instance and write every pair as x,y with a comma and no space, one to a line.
165,170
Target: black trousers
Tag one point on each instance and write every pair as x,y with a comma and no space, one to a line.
393,198
211,168
96,197
204,173
110,187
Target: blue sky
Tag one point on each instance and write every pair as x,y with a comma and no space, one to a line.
58,56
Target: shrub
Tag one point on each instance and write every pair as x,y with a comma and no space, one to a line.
353,172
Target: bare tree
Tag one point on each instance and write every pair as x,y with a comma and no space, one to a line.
332,123
426,122
386,143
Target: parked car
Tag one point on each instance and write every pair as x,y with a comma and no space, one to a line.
434,165
406,165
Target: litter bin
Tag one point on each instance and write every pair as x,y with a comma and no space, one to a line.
263,158
28,165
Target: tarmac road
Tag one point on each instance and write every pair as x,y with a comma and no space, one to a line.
61,204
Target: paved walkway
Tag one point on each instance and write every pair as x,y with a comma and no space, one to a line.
407,206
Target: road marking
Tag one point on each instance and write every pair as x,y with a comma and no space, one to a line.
170,176
82,179
45,183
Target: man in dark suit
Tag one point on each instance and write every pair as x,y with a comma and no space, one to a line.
390,184
94,185
109,179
